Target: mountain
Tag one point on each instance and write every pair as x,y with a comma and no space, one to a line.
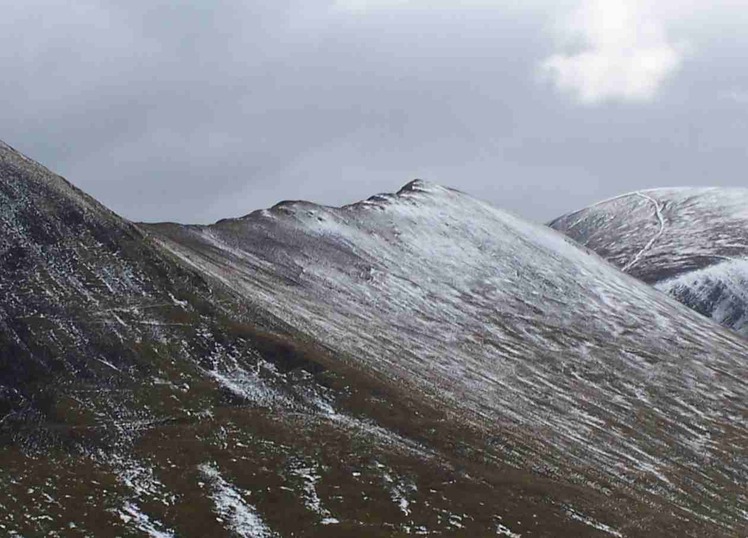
688,242
564,365
415,364
139,399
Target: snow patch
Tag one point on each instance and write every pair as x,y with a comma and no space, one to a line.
576,516
309,475
132,516
241,517
503,530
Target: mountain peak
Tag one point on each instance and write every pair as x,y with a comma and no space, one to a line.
469,371
418,185
499,319
411,191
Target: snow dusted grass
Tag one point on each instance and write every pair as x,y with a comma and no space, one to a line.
697,252
135,519
719,291
400,491
507,324
231,507
594,524
309,476
157,367
139,478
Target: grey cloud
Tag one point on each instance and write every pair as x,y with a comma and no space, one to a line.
201,110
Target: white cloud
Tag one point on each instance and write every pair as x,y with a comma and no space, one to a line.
615,50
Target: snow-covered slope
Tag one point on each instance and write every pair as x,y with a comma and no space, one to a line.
567,366
691,243
415,364
136,399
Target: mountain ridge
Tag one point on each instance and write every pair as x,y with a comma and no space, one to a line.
149,402
391,267
415,362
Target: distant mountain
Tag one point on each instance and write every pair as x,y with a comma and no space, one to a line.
565,365
691,243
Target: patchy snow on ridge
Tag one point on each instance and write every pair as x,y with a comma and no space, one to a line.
123,371
588,374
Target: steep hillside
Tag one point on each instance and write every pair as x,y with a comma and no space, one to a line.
690,243
418,363
566,366
139,399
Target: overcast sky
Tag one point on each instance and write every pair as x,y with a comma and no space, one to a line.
196,110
